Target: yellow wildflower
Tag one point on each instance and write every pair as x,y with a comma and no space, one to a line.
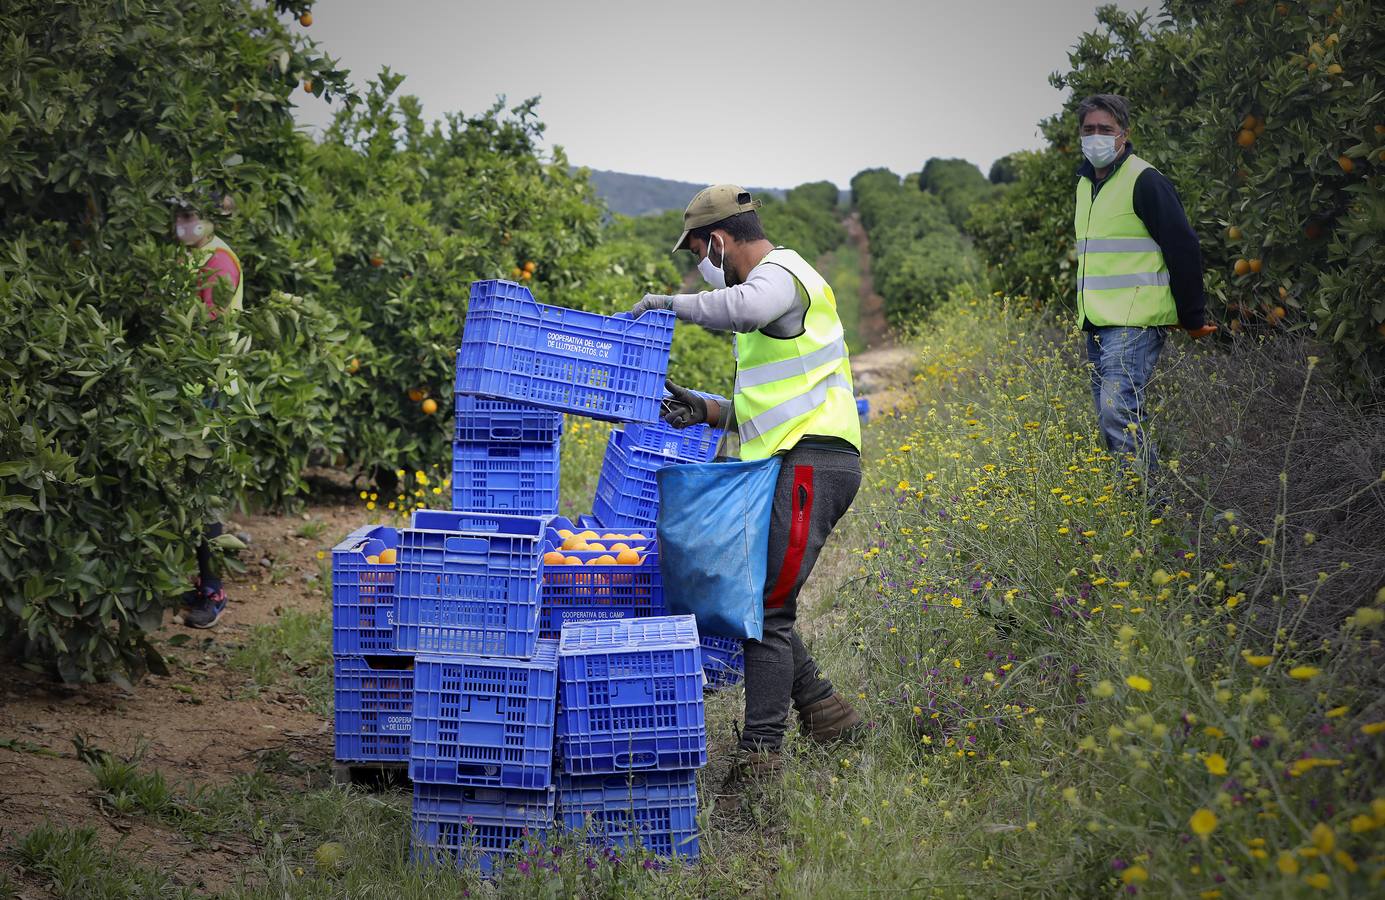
1286,863
1216,763
1304,673
1139,683
1203,822
1323,837
1132,874
1373,728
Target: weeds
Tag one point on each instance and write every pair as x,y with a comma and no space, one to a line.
74,865
295,652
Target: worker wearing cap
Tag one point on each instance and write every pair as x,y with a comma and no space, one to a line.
793,397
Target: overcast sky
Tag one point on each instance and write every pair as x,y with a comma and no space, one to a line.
759,92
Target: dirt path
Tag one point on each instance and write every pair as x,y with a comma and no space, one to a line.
200,724
874,330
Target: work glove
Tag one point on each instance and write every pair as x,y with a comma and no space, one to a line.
684,409
1202,331
650,301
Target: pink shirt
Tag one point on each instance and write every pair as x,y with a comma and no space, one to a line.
219,266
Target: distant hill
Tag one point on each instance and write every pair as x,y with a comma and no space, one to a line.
635,195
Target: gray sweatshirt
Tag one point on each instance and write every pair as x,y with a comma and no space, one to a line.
768,300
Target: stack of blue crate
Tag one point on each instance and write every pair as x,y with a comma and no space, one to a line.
632,732
373,681
485,686
505,457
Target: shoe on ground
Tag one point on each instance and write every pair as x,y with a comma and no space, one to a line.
830,720
751,769
205,607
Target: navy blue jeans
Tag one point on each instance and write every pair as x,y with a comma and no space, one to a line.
1121,362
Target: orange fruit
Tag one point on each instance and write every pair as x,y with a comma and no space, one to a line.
598,547
1282,8
574,542
377,261
1248,123
372,560
1233,233
587,535
1346,164
612,536
306,19
1245,137
627,557
1312,67
616,548
354,366
1313,231
637,537
1315,48
530,267
516,272
1259,128
417,394
604,559
1276,314
1333,69
554,558
525,276
1380,129
1256,265
388,556
564,533
1242,267
1283,292
430,406
307,86
572,561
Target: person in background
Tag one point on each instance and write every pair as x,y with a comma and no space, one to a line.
221,289
1139,270
793,397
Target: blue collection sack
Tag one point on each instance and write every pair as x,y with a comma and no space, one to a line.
713,539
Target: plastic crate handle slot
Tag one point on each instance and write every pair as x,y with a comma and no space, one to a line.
639,759
472,550
616,782
389,663
481,703
473,770
630,692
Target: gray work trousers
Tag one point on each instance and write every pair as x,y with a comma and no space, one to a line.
814,490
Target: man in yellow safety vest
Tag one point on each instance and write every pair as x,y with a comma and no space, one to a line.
1139,270
793,397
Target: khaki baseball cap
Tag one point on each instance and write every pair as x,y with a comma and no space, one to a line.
712,204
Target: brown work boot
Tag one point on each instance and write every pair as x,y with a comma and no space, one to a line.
830,720
751,769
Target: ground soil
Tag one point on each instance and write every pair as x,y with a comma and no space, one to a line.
881,373
199,724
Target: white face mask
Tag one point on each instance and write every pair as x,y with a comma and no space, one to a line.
713,275
1100,149
190,232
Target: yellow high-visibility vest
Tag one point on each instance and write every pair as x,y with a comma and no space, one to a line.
790,387
1121,275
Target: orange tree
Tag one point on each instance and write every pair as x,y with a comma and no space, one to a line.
1270,119
404,215
127,418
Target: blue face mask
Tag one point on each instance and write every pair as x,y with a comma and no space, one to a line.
1100,149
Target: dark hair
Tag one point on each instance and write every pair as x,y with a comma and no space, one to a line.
1111,103
742,227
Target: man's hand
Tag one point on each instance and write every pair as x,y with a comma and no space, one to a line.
684,409
648,302
1202,331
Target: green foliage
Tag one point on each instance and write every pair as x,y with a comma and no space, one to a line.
956,182
129,417
1269,118
823,194
1003,171
918,256
1020,232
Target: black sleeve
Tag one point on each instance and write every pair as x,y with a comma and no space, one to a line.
1158,206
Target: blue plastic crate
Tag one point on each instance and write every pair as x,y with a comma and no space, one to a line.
505,476
863,408
474,826
481,419
374,703
696,444
627,491
362,593
468,582
587,520
588,592
630,696
601,367
723,661
654,810
485,721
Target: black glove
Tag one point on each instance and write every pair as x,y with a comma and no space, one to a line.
684,409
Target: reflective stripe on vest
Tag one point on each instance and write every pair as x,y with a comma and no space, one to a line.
790,387
1121,275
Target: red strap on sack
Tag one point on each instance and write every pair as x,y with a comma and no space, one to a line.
802,501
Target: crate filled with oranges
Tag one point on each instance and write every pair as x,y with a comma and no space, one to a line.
591,574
